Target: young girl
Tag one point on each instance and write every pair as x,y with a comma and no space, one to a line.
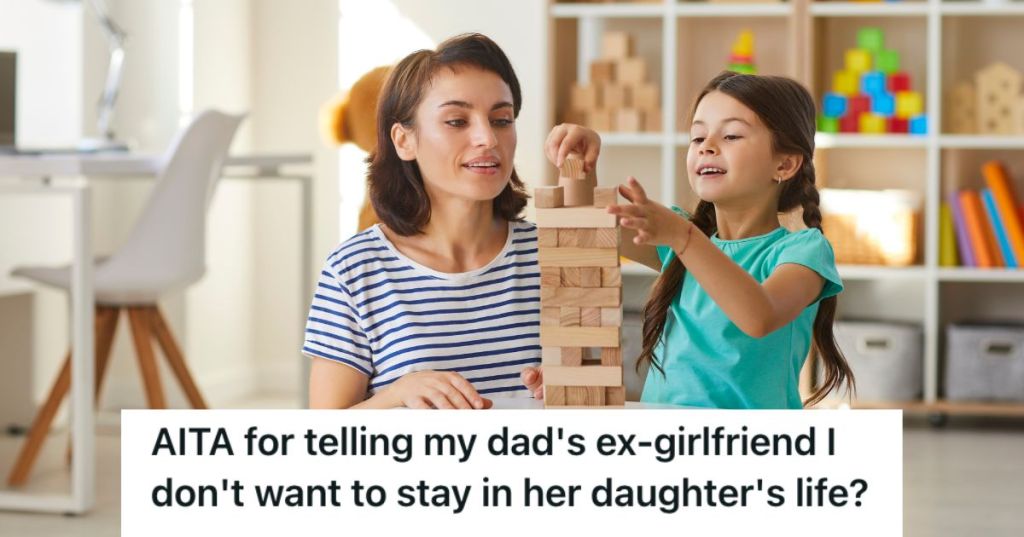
740,299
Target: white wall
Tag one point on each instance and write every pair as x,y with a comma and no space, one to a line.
294,70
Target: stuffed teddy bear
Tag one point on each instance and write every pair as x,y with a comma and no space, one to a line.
352,117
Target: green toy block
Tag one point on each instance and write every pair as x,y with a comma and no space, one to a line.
871,38
887,61
828,124
743,68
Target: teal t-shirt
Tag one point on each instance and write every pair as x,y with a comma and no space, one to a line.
709,362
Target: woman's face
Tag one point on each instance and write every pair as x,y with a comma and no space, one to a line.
463,136
730,156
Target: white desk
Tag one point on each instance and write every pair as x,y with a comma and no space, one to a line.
22,174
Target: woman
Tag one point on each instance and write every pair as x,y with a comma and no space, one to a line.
438,305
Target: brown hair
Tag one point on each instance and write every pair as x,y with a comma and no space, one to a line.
787,110
396,185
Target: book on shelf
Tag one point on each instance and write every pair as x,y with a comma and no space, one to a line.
947,237
1005,203
998,226
977,228
963,238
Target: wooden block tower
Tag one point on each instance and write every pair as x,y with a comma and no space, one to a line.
581,291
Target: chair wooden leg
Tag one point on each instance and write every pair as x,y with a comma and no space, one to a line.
106,327
174,356
141,331
41,426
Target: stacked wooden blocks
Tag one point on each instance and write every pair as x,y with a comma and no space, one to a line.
580,291
993,104
619,97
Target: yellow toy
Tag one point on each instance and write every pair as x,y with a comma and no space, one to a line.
352,117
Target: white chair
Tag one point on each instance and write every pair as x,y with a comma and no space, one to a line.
165,251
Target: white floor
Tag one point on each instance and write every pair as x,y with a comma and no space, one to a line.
964,479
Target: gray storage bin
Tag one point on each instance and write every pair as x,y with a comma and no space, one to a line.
985,361
886,359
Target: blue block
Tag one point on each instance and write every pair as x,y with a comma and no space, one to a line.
834,105
883,104
919,124
872,82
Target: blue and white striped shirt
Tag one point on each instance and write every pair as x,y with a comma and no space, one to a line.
385,315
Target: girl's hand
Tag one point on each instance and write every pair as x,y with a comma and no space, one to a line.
654,223
436,389
533,379
568,138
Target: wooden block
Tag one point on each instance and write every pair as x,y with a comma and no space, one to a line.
568,236
611,316
570,316
628,120
584,396
586,237
548,197
576,117
577,296
613,396
606,238
575,217
961,109
602,71
616,96
570,277
652,120
554,395
616,45
578,336
611,356
590,317
646,96
583,376
572,167
611,277
584,97
605,196
567,356
550,277
599,120
547,236
632,71
578,257
590,277
550,316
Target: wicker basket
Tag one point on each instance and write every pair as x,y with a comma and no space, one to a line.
871,227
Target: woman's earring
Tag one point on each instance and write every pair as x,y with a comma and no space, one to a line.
778,180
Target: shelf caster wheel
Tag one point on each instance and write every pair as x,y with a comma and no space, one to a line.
938,420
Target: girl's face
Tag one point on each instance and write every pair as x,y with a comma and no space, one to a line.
730,158
463,135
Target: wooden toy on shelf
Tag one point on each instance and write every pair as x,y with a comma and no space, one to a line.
870,95
619,96
991,104
581,291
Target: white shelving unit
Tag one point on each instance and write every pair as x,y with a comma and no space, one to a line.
813,47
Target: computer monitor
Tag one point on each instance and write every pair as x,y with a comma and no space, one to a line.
8,87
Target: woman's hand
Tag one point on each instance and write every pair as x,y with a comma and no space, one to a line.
533,379
654,223
568,138
435,389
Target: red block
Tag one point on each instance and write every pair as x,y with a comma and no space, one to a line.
858,104
898,82
741,58
849,123
897,125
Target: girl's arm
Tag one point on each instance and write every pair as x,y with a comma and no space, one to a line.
756,309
